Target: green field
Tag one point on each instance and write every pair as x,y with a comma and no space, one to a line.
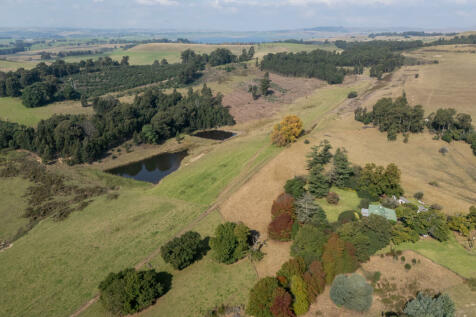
12,66
348,201
12,206
60,266
12,109
449,254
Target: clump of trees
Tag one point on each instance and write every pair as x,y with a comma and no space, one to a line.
398,116
184,250
152,118
230,243
351,292
130,291
287,131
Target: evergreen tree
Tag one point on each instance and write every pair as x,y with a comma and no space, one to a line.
424,305
320,155
319,184
342,170
298,289
265,84
307,210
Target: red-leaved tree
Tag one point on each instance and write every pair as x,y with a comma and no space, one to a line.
280,228
315,278
284,204
282,303
338,257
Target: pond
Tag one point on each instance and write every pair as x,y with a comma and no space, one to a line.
215,134
152,169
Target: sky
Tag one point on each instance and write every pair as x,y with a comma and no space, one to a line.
238,15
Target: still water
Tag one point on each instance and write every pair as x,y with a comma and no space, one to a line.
153,169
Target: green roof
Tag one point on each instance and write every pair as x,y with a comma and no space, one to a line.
382,211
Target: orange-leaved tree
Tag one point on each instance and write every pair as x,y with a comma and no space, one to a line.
287,131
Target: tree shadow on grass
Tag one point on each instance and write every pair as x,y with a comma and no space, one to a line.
165,279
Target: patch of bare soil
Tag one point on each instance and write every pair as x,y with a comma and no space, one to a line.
396,285
284,90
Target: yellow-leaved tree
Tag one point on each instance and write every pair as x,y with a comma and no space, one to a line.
287,131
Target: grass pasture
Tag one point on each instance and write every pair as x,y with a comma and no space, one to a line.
12,206
12,109
348,201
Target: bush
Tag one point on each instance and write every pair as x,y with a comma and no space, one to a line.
183,251
408,266
347,216
434,183
261,297
298,288
230,242
281,227
471,283
130,291
414,261
424,305
436,207
332,198
352,94
287,131
351,292
402,259
284,204
418,195
295,187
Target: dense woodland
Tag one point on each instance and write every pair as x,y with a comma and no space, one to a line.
152,117
398,116
333,66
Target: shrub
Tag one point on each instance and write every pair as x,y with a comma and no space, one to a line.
307,141
230,242
414,261
298,288
434,183
282,303
352,94
332,198
183,251
352,292
130,291
408,266
471,283
424,305
292,267
287,131
281,227
443,150
295,187
308,243
261,297
402,259
436,207
418,195
284,204
347,216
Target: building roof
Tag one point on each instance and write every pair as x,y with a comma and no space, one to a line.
382,211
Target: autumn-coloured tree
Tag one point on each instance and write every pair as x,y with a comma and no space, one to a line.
338,257
298,288
287,131
295,266
281,227
282,303
261,297
283,204
315,279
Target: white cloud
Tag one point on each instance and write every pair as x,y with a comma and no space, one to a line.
160,2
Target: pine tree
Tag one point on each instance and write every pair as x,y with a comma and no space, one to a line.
338,257
342,169
320,155
265,84
306,209
319,183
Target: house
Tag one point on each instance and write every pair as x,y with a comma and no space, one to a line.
381,211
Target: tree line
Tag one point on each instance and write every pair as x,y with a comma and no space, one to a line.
152,117
397,116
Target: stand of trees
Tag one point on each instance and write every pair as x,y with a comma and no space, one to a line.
152,117
219,56
398,116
